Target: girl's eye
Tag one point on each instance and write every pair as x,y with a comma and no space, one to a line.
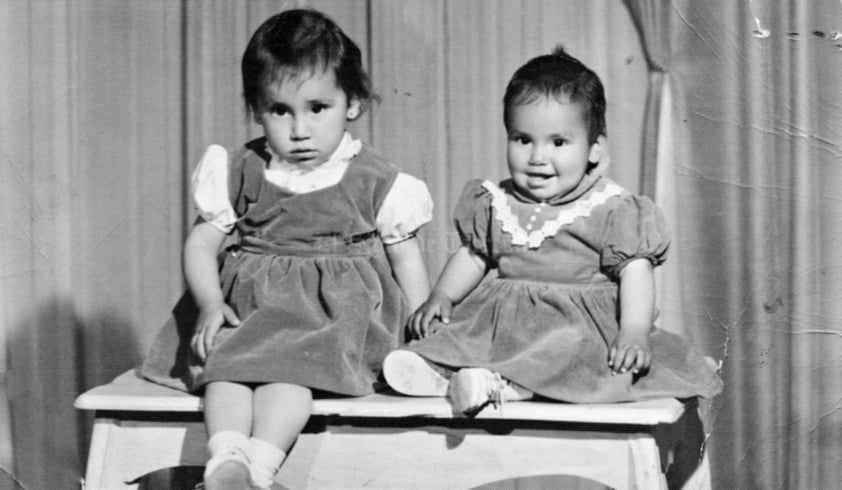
523,140
279,110
317,108
559,142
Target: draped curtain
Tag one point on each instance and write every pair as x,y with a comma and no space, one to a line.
748,164
727,112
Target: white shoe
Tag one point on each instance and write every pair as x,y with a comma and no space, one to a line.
471,389
409,374
228,471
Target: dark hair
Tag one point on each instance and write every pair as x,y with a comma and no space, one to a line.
564,78
302,41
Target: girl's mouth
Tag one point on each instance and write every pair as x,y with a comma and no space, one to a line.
302,156
538,177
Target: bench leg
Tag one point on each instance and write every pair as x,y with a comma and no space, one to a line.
122,451
646,463
98,453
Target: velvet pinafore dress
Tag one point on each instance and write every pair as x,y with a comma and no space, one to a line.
546,321
309,280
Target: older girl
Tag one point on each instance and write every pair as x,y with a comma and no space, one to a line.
326,267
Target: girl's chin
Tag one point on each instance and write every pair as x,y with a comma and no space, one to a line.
543,193
306,162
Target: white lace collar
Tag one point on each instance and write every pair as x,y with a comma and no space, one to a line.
347,149
299,179
532,239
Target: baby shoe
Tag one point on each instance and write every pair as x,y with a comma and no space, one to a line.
410,374
471,389
228,471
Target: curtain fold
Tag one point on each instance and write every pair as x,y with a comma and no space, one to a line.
652,20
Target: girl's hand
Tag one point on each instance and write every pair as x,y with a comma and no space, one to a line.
420,323
208,324
630,352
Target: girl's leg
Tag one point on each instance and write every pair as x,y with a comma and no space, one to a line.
280,412
228,406
228,418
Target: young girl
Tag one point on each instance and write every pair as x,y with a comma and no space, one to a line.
326,268
569,315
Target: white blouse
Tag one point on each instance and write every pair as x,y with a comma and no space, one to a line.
407,206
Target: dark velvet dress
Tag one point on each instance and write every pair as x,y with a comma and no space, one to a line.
316,297
549,317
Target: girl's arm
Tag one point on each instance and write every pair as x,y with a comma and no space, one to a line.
410,271
637,304
201,271
460,276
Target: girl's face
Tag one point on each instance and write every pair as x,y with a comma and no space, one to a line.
548,149
304,117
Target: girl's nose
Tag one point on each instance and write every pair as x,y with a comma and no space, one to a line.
300,129
537,157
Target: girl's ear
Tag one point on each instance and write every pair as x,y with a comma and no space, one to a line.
354,109
596,149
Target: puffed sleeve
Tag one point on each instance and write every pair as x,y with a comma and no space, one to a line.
634,229
472,217
209,186
406,208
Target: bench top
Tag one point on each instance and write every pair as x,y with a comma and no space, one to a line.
128,392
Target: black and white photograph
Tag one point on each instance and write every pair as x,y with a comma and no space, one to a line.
420,244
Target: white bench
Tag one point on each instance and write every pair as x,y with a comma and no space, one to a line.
385,441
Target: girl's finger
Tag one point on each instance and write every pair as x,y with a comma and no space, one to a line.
413,326
231,317
625,358
210,333
632,357
639,361
199,346
647,360
445,312
194,346
429,316
420,324
635,358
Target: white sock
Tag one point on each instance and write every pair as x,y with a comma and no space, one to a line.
265,459
226,445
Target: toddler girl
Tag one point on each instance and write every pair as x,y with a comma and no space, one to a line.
326,267
569,314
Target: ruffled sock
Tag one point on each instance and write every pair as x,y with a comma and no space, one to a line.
229,463
265,459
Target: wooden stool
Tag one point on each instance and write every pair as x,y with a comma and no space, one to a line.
390,441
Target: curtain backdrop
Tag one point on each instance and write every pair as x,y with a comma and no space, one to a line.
106,105
750,177
91,203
